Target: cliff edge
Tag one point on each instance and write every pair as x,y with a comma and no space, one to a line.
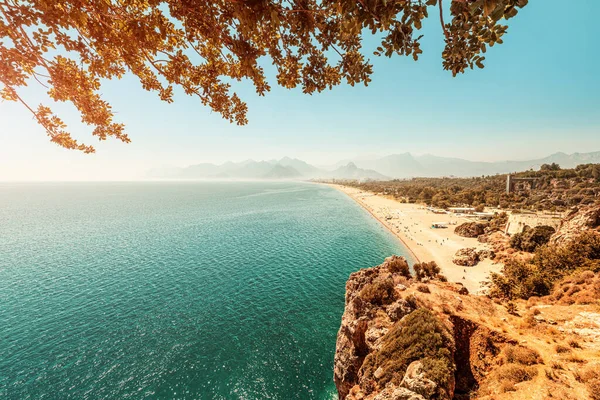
410,335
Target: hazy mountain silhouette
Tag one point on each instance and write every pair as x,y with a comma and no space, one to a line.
394,166
408,166
351,171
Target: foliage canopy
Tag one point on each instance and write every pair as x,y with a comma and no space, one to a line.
555,190
69,46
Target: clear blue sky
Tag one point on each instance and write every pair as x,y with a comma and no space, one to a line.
539,93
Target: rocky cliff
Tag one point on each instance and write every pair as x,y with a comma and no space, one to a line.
578,220
409,338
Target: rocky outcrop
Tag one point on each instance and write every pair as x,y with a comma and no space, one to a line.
577,221
397,393
361,326
467,257
444,344
470,229
410,345
483,254
416,380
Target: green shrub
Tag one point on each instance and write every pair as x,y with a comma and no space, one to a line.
498,222
522,355
398,265
514,373
549,265
519,279
419,336
559,348
428,270
423,288
532,238
378,292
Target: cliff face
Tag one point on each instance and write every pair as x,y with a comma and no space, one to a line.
407,339
405,346
576,222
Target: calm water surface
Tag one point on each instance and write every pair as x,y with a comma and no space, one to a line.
176,290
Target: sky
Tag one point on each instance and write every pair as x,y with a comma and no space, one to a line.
538,94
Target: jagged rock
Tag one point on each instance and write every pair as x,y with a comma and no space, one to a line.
373,334
470,229
359,331
416,381
467,257
397,310
483,254
398,393
483,238
576,222
361,371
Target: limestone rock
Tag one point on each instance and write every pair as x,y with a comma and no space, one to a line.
399,309
576,222
470,229
483,254
467,257
373,334
416,381
398,393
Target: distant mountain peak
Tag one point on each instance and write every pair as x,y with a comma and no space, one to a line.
398,165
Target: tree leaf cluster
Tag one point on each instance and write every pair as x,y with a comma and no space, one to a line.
203,47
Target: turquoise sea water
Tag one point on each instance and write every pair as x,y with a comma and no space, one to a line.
176,290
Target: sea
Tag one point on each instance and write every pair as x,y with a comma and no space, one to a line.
177,290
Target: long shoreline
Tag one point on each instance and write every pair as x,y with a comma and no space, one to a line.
411,225
381,221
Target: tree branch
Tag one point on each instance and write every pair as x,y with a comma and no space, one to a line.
442,19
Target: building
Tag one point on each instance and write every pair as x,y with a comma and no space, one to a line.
462,210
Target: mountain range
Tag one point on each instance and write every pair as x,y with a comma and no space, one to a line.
394,166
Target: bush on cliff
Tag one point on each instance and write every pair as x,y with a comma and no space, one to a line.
419,336
378,292
398,265
426,270
532,238
520,279
498,222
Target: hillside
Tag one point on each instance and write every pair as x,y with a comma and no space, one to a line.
409,334
414,336
554,190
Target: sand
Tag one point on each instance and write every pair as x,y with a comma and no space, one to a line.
411,223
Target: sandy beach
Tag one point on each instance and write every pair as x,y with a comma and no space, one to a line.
411,223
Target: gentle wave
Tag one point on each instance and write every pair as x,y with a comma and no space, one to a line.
204,290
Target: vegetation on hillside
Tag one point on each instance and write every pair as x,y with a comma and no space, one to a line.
420,336
550,263
555,189
531,238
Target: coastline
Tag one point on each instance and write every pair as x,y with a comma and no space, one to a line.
411,225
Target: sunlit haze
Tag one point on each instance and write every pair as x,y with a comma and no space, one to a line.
537,95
